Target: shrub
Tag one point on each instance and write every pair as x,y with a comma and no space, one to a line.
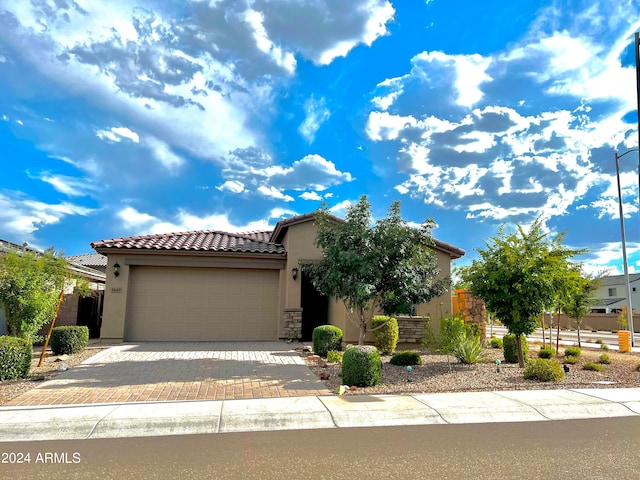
638,368
69,339
593,367
604,359
570,359
546,352
511,347
572,352
361,366
604,346
468,349
325,338
451,328
496,342
386,336
405,358
334,356
544,370
15,358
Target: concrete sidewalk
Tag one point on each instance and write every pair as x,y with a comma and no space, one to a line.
198,417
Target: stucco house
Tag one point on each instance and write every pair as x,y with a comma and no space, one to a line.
211,286
612,293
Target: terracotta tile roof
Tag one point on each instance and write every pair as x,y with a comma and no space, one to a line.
89,259
201,240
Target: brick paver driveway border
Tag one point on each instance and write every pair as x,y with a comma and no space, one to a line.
171,371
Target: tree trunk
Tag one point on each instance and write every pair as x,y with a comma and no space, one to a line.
579,344
558,337
520,355
544,335
363,333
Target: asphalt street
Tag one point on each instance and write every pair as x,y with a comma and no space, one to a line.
590,449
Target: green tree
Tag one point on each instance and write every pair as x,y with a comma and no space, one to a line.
578,303
30,286
371,267
519,275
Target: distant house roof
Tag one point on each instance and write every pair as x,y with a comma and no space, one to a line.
6,246
201,240
619,279
605,302
89,259
76,267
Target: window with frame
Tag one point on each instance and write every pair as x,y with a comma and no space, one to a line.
613,292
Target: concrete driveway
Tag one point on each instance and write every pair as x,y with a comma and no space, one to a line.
171,371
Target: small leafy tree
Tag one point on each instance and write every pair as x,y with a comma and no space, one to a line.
519,275
30,286
579,302
372,267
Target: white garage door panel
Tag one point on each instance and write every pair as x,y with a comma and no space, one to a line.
201,304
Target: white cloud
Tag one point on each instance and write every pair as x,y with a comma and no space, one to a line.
163,154
21,216
274,193
316,114
140,223
71,186
117,134
311,196
232,186
281,58
340,209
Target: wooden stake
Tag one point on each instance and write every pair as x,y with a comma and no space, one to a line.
46,341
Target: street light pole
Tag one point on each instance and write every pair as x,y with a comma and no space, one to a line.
624,247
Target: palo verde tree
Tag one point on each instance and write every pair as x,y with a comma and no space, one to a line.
30,287
577,304
519,275
371,267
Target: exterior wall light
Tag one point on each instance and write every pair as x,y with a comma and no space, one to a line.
294,273
116,269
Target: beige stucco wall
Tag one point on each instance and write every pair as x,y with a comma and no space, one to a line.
115,299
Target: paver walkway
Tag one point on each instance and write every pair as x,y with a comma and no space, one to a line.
171,371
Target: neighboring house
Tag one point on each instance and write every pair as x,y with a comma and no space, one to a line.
73,310
96,261
209,286
612,294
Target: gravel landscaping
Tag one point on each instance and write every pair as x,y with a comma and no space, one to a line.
437,374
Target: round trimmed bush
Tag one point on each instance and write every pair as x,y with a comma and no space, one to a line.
386,335
604,359
546,352
496,342
570,359
325,338
544,370
510,345
69,339
361,366
572,352
407,357
15,358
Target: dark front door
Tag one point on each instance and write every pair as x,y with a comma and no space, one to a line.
315,308
90,313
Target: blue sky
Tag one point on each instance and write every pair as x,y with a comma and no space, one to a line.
126,117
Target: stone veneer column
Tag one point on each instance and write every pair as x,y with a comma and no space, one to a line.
292,324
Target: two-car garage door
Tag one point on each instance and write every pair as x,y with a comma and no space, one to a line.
201,304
